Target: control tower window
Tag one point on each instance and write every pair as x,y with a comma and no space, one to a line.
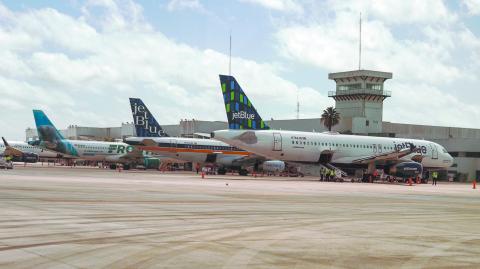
349,87
374,86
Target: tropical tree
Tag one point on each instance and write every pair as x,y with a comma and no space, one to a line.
330,117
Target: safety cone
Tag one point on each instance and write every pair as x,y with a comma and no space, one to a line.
203,175
410,181
474,184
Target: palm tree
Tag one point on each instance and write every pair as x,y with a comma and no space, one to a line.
330,118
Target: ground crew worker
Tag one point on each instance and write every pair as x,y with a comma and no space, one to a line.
321,174
197,167
434,177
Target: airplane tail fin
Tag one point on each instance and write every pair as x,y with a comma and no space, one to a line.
46,130
241,113
145,123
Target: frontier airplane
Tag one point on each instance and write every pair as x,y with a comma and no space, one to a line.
151,137
397,156
110,152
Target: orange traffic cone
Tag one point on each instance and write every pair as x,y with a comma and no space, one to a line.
474,184
410,181
203,175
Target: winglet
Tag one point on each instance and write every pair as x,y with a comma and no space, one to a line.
241,113
5,142
9,150
145,123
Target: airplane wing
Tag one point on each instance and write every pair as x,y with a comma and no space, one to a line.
248,160
149,142
11,151
390,156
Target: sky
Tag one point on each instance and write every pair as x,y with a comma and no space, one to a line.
80,61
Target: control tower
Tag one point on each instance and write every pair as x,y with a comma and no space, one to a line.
359,99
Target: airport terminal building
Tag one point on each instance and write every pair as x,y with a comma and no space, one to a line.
359,97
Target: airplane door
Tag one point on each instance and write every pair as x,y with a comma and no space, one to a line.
379,148
434,151
173,144
277,141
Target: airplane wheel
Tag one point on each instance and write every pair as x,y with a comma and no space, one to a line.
113,166
243,172
126,167
222,171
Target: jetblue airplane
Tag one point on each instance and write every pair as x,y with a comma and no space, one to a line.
23,152
111,152
151,137
398,156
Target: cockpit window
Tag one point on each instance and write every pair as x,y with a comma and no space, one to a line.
444,150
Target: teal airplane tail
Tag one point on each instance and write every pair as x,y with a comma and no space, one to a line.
50,137
241,113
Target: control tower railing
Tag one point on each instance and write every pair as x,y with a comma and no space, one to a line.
360,92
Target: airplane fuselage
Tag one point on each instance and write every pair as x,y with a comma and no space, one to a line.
191,149
25,147
90,150
308,147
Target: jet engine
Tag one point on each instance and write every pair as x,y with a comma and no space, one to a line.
404,170
27,157
273,166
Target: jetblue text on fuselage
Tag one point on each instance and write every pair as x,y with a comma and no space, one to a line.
242,115
419,149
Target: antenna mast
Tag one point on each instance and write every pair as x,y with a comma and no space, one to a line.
298,106
230,56
360,44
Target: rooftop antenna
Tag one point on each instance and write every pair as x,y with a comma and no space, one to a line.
298,106
360,44
230,56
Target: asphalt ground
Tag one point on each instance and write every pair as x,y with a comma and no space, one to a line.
96,218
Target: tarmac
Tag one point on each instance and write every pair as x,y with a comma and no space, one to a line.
59,217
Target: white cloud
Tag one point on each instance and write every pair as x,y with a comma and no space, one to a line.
433,58
184,4
473,6
396,12
425,104
334,47
278,5
77,71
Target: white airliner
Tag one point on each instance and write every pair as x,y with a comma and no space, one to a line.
398,156
111,152
23,152
151,137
